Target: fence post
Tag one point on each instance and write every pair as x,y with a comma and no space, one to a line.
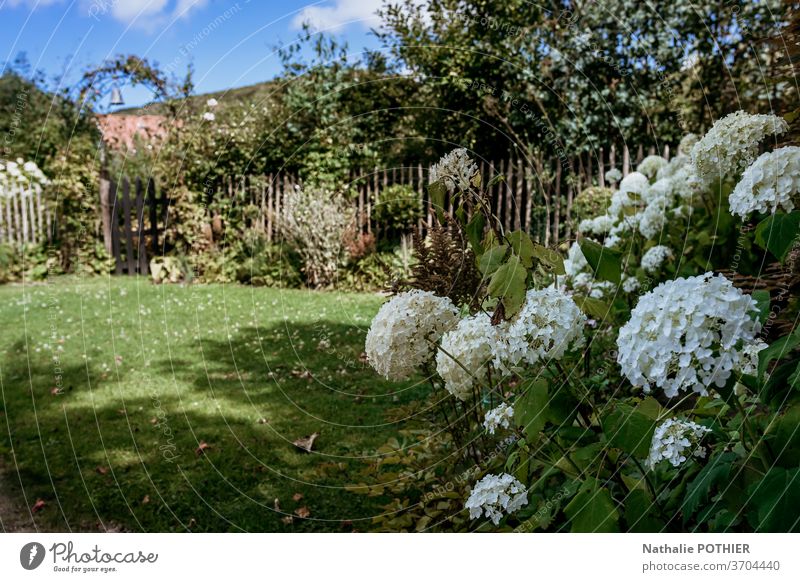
105,213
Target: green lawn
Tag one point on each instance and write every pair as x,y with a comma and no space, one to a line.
148,373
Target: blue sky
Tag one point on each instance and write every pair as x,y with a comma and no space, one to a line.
229,42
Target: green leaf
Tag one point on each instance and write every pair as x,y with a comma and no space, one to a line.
550,259
474,230
777,233
491,260
522,246
437,192
783,438
563,407
628,429
779,348
640,513
761,297
530,409
716,472
592,510
607,264
775,499
592,307
508,284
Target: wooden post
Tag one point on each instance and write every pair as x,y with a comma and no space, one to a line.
518,194
626,160
601,177
557,209
105,213
126,217
666,152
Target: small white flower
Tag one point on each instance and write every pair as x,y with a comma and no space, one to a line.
494,495
651,165
630,284
208,116
212,103
655,257
613,176
673,439
499,417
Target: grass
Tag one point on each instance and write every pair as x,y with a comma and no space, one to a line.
110,387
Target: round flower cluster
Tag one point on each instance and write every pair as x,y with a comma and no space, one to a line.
591,201
732,144
403,334
494,495
549,324
687,334
635,182
655,257
630,284
651,165
455,170
749,361
466,353
687,143
613,176
770,183
20,175
671,168
671,440
499,417
598,225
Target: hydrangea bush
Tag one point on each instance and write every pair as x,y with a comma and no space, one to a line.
641,380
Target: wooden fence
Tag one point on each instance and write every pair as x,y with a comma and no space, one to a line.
535,194
26,217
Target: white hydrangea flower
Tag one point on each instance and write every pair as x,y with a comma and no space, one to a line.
613,176
403,333
598,225
549,324
749,361
499,417
575,262
630,284
635,183
770,183
208,116
687,143
494,495
654,257
675,164
651,165
687,334
465,354
732,144
456,170
673,439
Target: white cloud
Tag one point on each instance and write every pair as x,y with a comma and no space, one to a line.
146,14
339,13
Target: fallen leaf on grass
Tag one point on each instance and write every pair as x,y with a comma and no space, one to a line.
146,499
276,504
307,442
302,512
297,496
201,448
288,520
38,506
101,470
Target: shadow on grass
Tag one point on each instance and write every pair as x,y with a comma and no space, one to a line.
203,441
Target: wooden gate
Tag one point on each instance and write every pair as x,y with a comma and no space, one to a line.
136,219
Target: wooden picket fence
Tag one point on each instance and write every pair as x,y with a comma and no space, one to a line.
26,217
535,194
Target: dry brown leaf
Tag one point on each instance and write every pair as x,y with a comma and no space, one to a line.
307,442
297,496
302,512
101,470
277,504
287,520
201,448
146,499
38,506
